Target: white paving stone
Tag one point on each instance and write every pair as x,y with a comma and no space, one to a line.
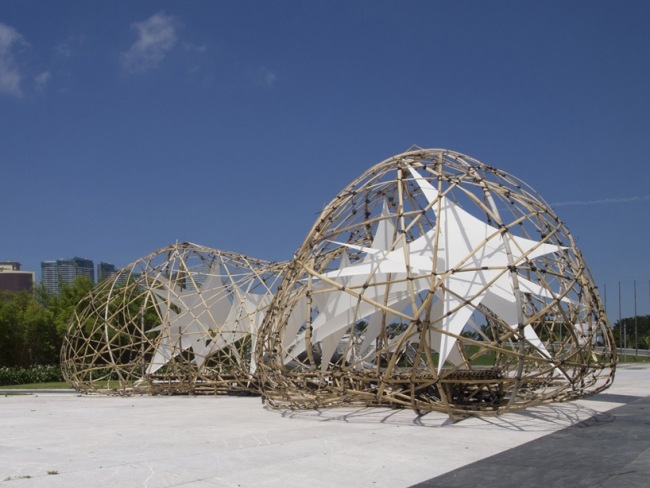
235,442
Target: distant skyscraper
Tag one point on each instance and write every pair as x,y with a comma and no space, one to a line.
50,276
55,274
13,279
104,270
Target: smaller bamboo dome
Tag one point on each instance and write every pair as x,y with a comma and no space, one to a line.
183,319
435,282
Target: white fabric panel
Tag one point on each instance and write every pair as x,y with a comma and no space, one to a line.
382,266
261,304
161,357
296,320
527,286
534,249
438,341
375,261
343,315
324,325
375,325
328,346
506,308
533,339
435,337
194,321
582,330
454,323
429,192
502,304
219,301
371,333
328,303
383,239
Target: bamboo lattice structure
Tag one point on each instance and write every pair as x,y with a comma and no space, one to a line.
183,319
432,281
435,282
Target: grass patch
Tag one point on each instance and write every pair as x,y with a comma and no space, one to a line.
54,385
488,358
631,358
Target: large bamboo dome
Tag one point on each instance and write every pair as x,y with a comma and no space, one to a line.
435,282
183,319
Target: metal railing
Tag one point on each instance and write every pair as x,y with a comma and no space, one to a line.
633,352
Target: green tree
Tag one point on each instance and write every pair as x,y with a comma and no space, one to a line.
32,325
633,328
27,333
64,305
42,342
11,330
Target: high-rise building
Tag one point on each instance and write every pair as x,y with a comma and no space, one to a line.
9,266
104,270
13,279
55,274
50,276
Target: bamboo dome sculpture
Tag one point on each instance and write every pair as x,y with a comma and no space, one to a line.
183,319
435,282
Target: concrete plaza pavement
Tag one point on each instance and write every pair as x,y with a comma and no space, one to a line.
63,439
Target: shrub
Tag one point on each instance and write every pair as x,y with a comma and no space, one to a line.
35,374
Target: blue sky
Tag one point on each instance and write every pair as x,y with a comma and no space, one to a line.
126,126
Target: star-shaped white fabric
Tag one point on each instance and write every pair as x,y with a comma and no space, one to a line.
479,258
337,311
190,313
472,259
209,319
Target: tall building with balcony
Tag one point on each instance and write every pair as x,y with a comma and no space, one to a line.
55,274
104,270
13,279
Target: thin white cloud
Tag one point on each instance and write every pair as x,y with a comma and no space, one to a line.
70,47
63,50
194,48
10,76
270,78
41,79
266,77
602,201
156,37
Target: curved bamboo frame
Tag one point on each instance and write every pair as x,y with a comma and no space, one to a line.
435,282
432,281
183,319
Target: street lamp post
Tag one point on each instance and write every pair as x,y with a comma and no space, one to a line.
636,326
